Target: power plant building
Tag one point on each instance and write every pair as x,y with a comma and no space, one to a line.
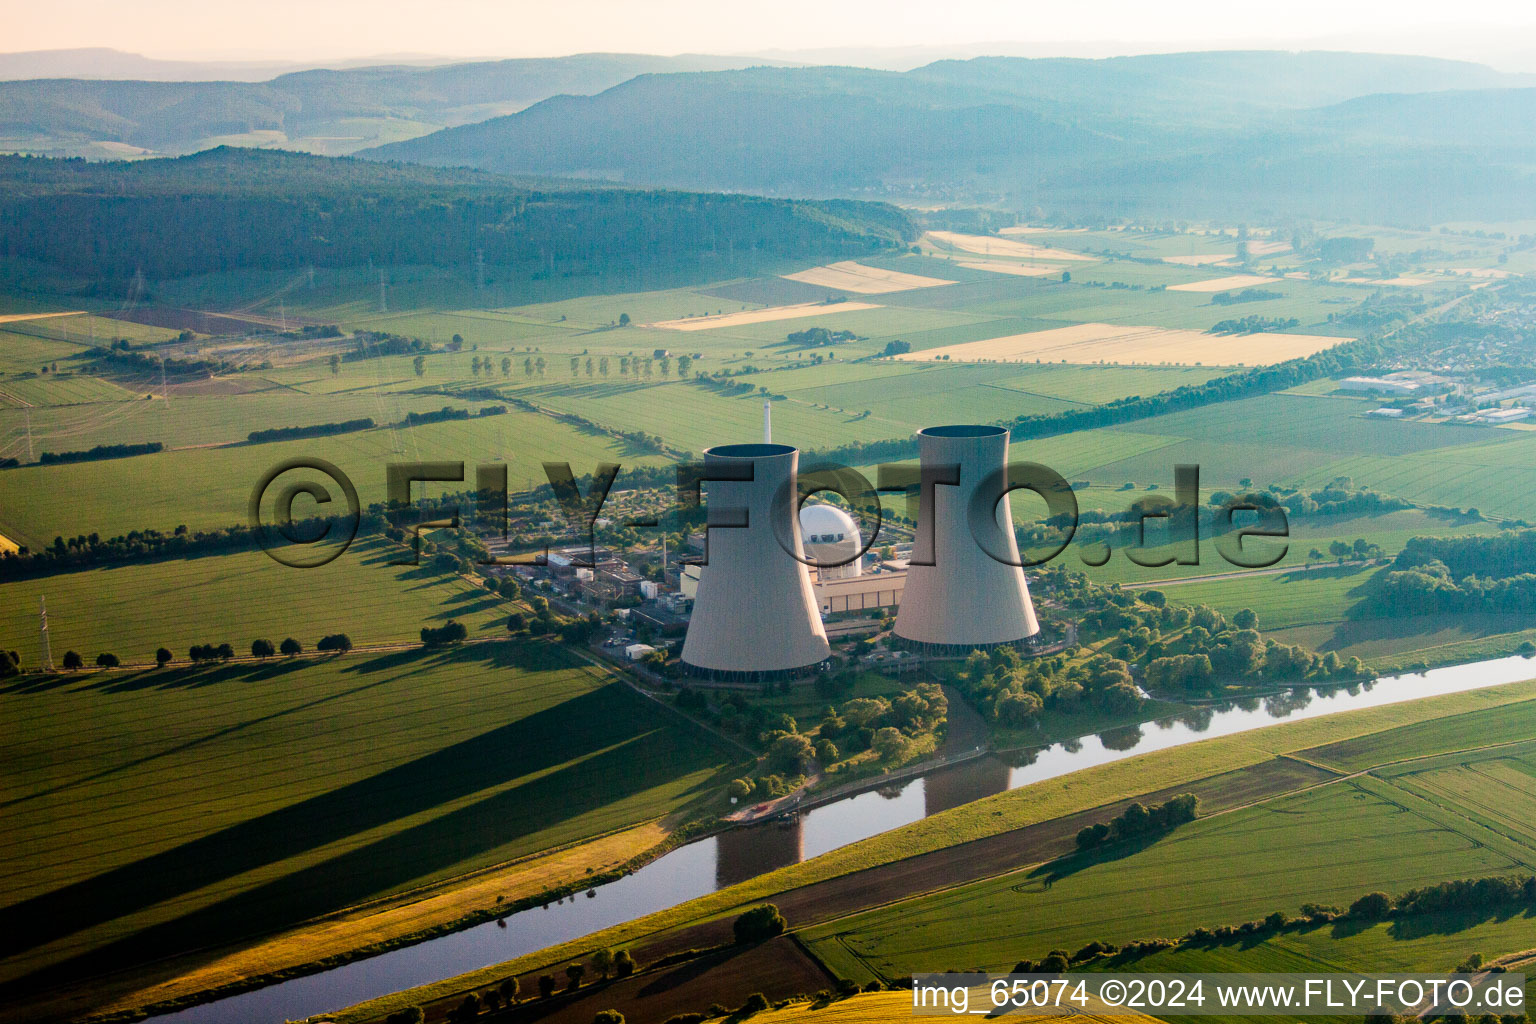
755,617
957,596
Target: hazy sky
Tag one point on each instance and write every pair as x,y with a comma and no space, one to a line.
310,29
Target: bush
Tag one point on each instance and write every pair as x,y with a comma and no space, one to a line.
451,632
338,642
756,1003
106,660
409,1015
1371,907
759,923
290,647
608,1017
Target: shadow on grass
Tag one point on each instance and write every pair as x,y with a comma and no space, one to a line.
584,754
1048,874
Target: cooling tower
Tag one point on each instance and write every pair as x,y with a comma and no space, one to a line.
755,616
962,598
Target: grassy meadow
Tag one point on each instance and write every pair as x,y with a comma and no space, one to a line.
154,812
130,610
1401,826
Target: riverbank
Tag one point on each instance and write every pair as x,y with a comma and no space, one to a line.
1053,797
359,931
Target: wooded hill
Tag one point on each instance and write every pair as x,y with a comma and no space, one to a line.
232,209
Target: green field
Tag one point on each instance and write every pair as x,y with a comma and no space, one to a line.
130,610
1328,845
156,812
210,487
1434,944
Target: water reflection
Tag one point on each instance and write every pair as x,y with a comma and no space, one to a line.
1198,720
1125,737
744,853
964,783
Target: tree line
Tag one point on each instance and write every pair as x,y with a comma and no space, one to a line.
101,451
1140,820
313,430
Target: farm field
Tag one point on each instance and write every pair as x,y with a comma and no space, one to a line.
870,1007
130,610
760,316
1433,944
850,276
1328,845
1016,269
1222,284
1113,343
1301,597
988,246
167,809
115,496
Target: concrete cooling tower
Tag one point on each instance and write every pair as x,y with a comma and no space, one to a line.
755,617
963,598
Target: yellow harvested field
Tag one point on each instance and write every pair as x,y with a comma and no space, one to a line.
1481,272
1267,248
1027,229
10,318
1128,345
761,316
1199,260
8,545
1221,284
849,276
1395,282
986,245
878,1007
1020,269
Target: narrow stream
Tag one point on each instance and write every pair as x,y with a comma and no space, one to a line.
704,866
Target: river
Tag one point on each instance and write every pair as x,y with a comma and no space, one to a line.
702,867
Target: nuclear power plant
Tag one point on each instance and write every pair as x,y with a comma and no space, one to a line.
957,596
757,612
755,618
832,542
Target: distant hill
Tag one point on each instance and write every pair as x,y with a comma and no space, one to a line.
787,130
104,62
1240,132
1491,119
326,111
1177,85
237,209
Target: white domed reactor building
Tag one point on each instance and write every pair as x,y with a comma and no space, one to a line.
963,598
830,536
755,617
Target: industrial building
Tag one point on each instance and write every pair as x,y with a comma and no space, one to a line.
957,596
755,616
1380,385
